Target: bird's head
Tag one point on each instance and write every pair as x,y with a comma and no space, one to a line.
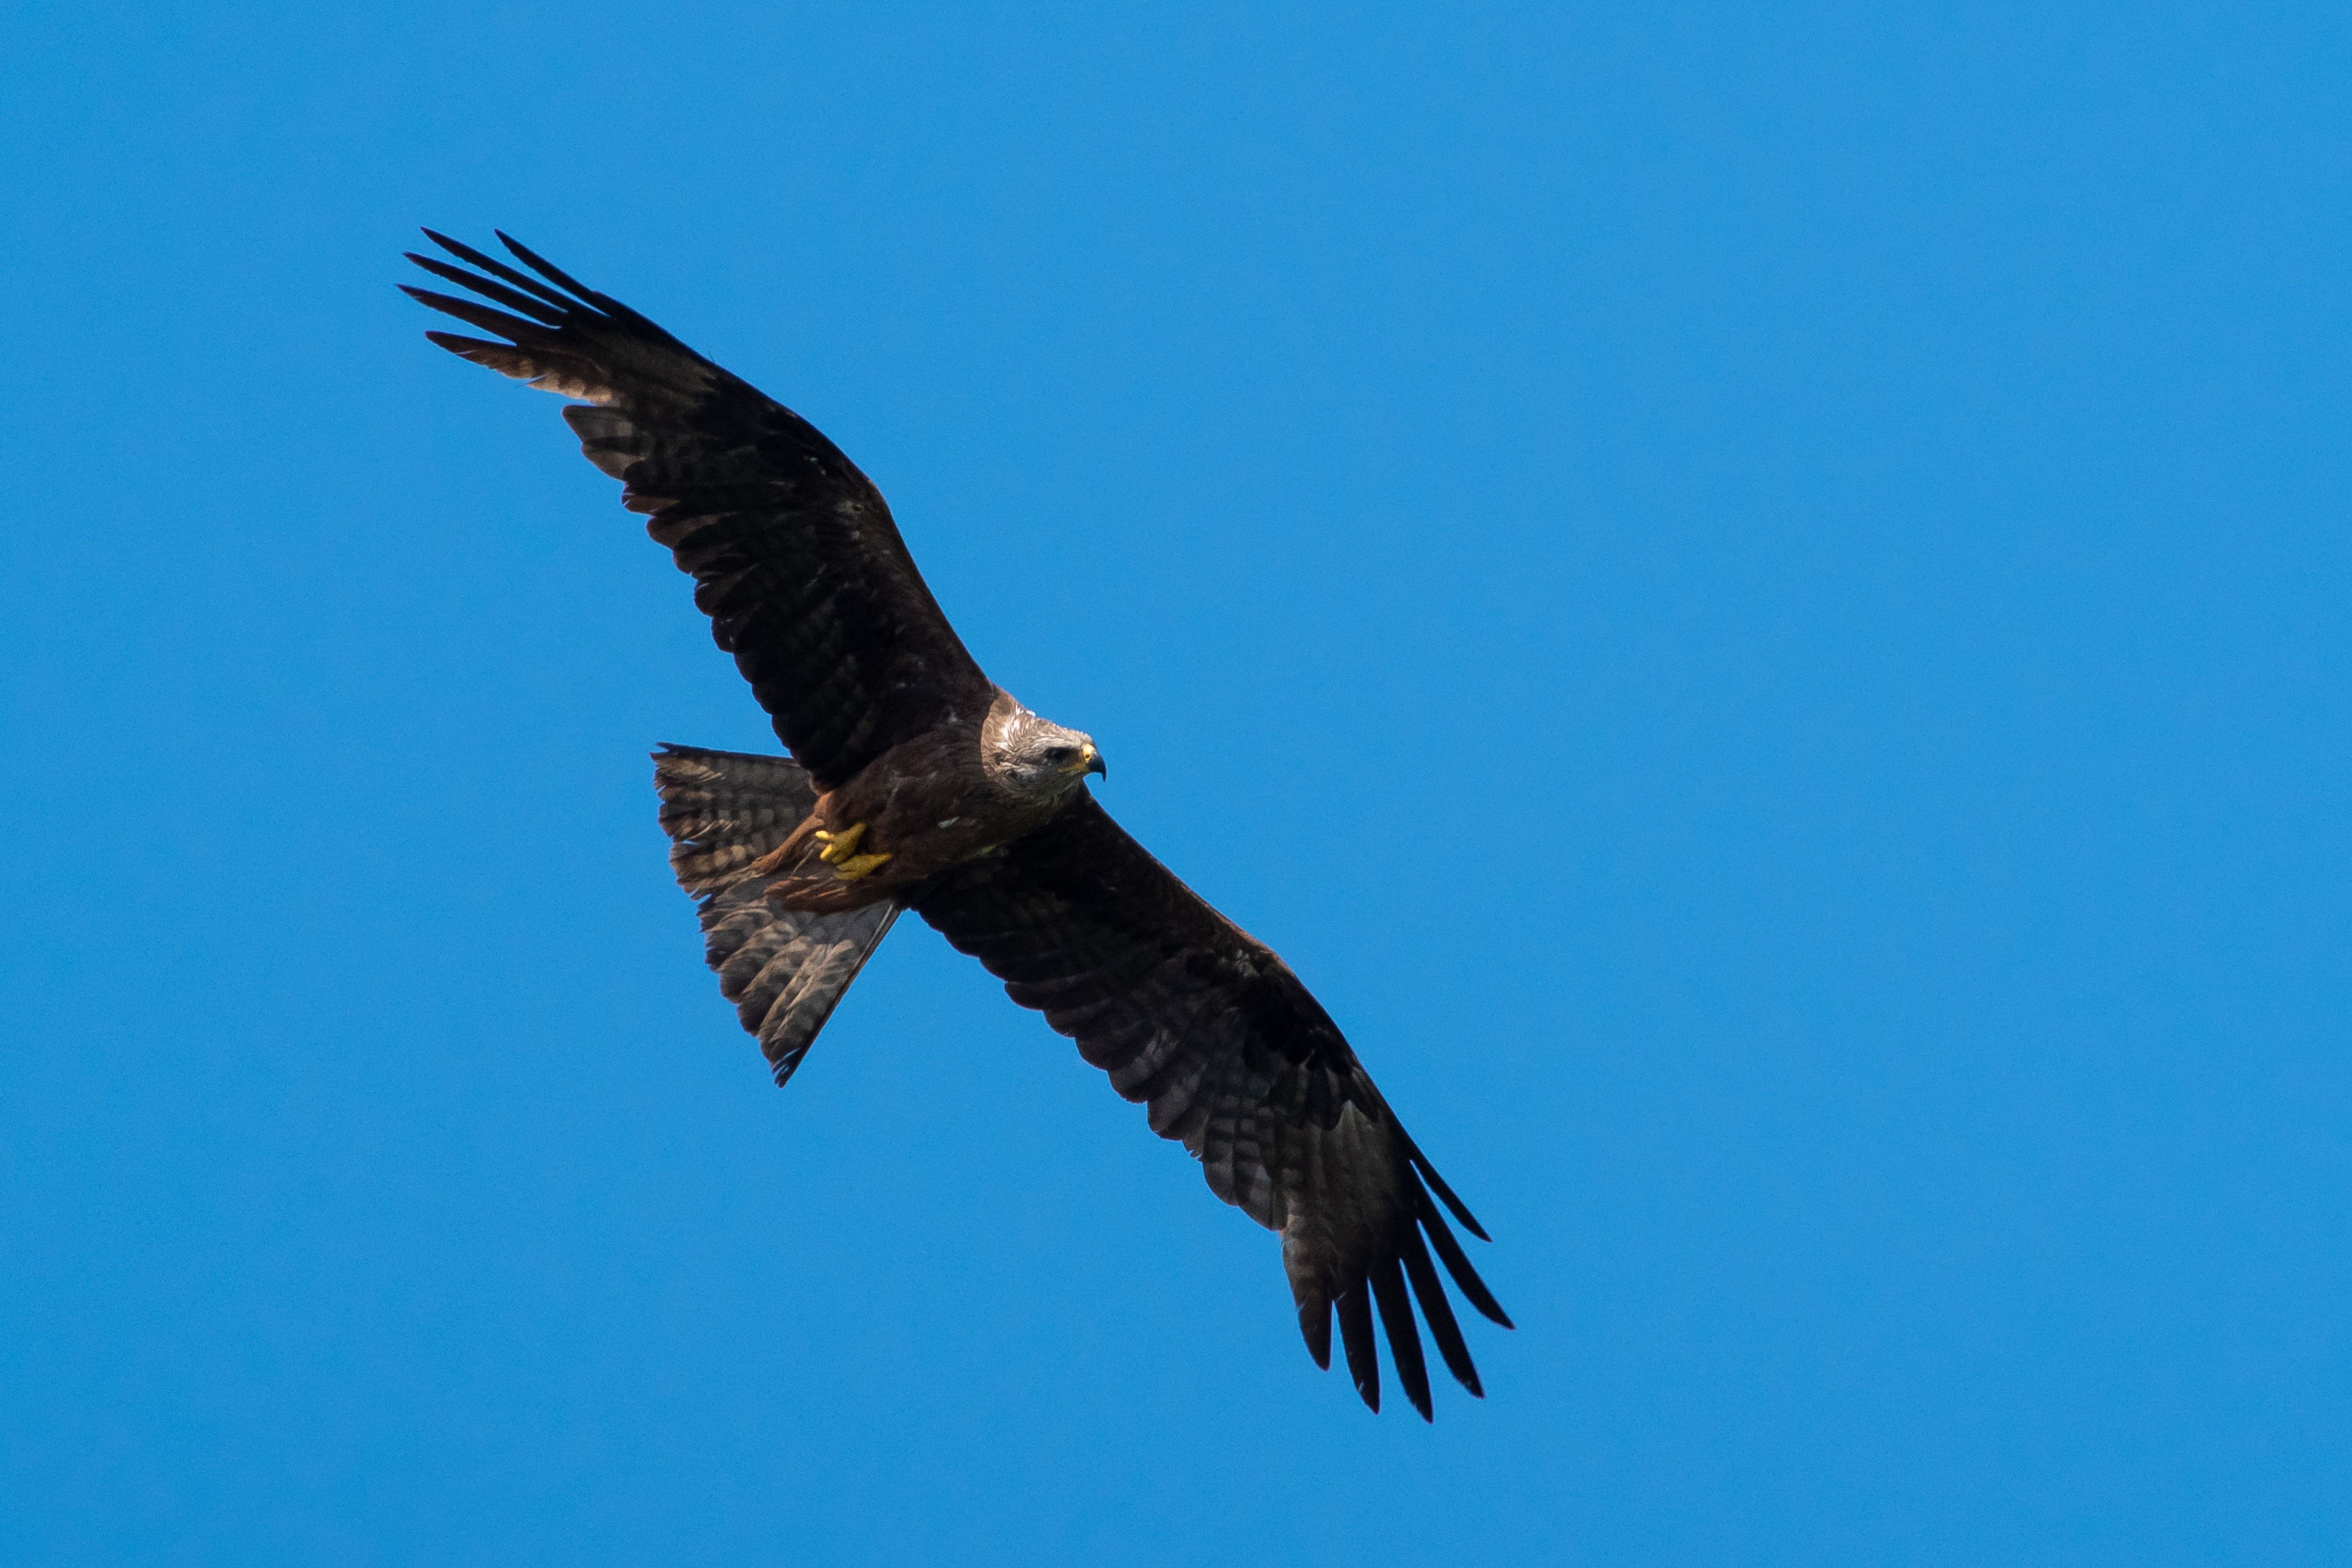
1036,758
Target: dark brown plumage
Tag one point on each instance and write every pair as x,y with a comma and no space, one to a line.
916,783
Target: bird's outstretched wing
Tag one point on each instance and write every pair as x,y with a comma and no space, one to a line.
1202,1022
794,556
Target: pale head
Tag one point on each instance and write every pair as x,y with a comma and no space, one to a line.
1034,757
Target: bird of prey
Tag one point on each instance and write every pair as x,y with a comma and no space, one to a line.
915,782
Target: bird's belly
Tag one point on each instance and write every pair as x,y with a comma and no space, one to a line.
920,838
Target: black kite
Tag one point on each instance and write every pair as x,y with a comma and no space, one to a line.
916,783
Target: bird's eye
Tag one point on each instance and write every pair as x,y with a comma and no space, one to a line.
1057,755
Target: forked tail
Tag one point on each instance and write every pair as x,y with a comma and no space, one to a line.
783,969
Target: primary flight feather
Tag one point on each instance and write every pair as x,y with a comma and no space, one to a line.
916,783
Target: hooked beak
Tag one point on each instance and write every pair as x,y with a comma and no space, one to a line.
1089,761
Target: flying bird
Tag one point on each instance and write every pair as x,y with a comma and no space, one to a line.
916,782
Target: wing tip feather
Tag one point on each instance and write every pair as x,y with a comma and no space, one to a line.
1315,1324
1457,1263
1404,1335
1355,1309
1444,1328
499,269
1428,1173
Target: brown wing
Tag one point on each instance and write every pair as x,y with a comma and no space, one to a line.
793,554
1202,1022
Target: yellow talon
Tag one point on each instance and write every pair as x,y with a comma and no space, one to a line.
839,847
840,852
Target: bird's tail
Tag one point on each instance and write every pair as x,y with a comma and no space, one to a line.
783,969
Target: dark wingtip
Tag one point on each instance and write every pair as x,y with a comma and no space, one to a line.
1457,1263
464,348
1405,1338
496,268
532,306
1315,1324
545,267
1428,1173
1438,1313
1355,1309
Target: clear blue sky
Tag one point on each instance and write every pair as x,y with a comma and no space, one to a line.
1755,596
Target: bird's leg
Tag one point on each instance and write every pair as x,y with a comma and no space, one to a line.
840,852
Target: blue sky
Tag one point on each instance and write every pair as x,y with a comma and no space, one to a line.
1754,596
